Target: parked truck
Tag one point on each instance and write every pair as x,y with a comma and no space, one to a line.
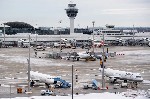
47,92
39,48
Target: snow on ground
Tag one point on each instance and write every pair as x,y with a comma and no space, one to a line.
146,81
105,95
135,52
36,61
136,57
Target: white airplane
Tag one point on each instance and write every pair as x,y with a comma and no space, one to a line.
83,55
122,75
47,79
24,42
41,78
79,55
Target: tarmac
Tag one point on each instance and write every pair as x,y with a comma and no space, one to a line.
14,66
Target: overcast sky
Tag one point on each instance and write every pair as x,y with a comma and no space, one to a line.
50,12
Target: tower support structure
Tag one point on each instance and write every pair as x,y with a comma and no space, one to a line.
71,25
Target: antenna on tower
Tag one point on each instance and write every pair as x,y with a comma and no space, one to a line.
71,1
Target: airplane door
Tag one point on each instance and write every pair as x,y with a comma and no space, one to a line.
132,77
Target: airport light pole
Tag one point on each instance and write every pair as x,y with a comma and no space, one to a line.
60,34
10,85
103,82
93,35
72,81
35,34
29,67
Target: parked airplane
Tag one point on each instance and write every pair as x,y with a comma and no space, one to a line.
24,42
79,55
122,75
84,55
47,79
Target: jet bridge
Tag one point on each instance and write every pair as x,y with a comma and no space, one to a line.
95,84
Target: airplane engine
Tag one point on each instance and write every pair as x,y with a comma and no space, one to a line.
32,83
113,80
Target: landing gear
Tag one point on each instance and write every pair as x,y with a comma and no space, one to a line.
47,85
125,81
134,85
32,83
114,81
77,59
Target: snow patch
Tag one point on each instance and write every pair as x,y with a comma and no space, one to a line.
105,95
146,81
135,53
37,62
3,85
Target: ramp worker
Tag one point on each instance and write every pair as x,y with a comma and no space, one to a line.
101,63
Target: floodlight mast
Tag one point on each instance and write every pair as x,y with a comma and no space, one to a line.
93,35
29,67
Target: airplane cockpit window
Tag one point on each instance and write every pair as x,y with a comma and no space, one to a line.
138,76
48,78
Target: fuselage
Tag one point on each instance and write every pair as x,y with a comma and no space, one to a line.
43,78
83,55
122,75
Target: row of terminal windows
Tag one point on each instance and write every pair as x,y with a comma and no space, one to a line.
114,34
111,34
72,15
111,31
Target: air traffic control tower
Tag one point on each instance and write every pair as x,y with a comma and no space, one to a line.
71,13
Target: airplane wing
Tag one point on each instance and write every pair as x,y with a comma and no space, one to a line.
37,80
116,77
113,78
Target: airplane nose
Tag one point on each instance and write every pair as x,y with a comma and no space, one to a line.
140,79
